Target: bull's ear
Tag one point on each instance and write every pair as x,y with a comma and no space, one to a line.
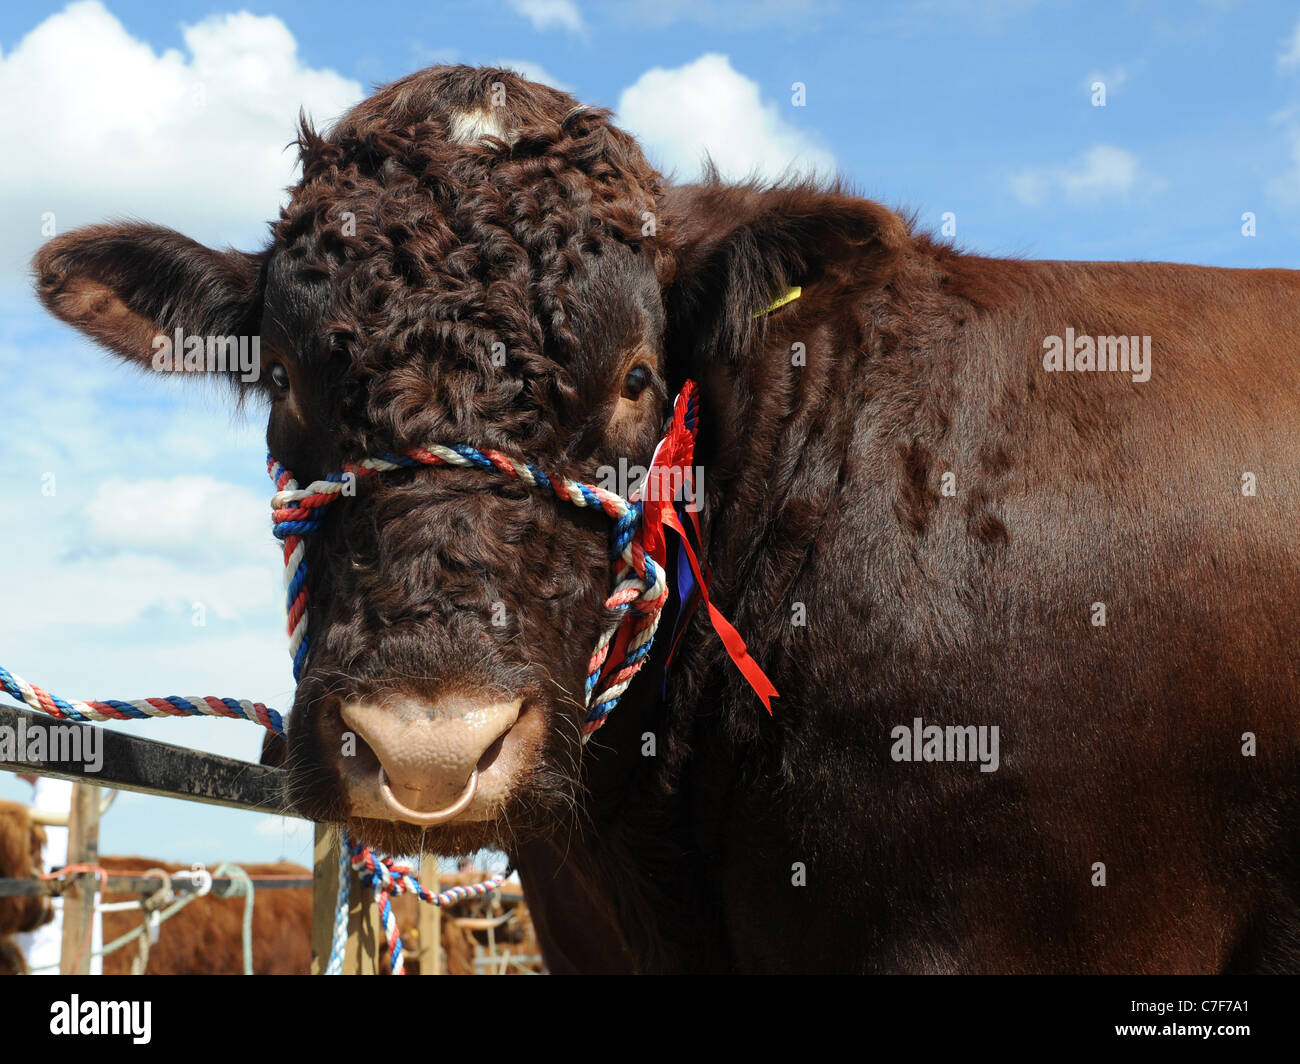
739,247
127,286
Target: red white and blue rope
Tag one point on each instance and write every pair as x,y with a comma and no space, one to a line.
387,878
112,709
637,601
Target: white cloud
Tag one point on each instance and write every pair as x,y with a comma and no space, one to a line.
707,107
99,611
195,518
131,588
550,14
1290,57
1101,172
193,139
534,72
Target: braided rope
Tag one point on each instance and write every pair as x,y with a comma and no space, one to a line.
173,706
387,879
241,885
130,936
339,940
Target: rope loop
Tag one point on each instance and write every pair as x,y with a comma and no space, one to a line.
386,879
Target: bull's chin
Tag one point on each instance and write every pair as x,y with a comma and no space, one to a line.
446,840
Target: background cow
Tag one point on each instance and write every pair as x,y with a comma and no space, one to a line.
206,936
908,514
21,841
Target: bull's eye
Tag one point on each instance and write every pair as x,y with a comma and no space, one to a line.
280,376
637,380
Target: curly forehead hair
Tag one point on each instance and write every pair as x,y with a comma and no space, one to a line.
453,212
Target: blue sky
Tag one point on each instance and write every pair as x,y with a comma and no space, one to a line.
982,110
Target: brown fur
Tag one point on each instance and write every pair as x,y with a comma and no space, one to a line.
21,843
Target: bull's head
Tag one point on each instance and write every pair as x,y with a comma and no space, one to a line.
468,259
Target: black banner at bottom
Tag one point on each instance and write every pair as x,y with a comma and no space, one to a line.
351,1014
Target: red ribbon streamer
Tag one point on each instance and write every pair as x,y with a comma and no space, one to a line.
676,452
739,653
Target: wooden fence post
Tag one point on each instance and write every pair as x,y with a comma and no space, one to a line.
79,897
430,921
324,891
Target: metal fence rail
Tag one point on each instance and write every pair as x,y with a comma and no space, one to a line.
30,888
132,763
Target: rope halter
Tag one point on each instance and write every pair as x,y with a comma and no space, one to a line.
640,585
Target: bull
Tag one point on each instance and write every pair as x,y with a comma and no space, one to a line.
919,509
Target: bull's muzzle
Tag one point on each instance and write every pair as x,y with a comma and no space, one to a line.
431,762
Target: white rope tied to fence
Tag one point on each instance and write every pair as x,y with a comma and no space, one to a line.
240,885
131,936
339,939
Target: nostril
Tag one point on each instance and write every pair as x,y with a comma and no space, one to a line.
493,751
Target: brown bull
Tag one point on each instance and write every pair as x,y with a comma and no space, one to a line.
1030,595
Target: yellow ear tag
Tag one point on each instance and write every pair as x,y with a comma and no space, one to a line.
790,296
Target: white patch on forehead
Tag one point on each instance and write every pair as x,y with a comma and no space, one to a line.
468,127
